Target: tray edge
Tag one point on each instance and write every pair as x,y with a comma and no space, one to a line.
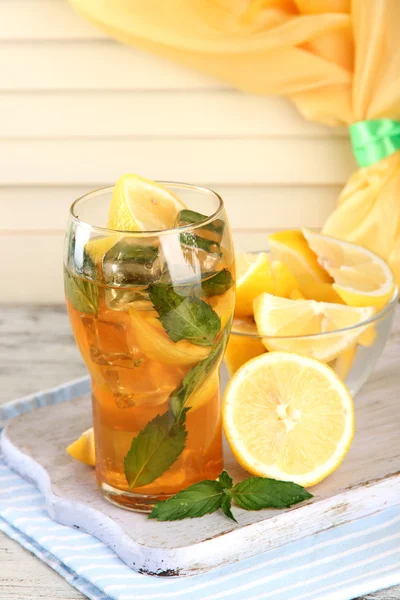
271,533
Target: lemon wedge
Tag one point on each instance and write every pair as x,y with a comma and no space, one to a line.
296,295
207,390
223,305
253,277
291,325
344,362
288,417
361,278
139,204
291,248
147,333
284,281
83,448
97,247
241,348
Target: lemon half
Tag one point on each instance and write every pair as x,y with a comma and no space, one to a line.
288,417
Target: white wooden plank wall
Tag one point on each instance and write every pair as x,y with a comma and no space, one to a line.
78,109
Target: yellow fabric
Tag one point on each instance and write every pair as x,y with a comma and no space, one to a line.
337,60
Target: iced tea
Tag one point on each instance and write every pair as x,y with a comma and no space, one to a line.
151,314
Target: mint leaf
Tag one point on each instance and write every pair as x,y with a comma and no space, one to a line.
256,493
190,217
82,294
226,506
185,317
155,449
195,501
225,480
217,284
164,298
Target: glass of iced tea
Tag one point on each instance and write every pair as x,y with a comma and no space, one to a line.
151,312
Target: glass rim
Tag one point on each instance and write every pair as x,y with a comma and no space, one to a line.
155,232
375,317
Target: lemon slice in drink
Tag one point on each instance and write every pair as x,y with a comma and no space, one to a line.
253,277
83,448
361,278
205,391
139,204
147,333
291,325
288,417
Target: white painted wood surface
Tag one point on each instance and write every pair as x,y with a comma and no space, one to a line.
42,335
77,109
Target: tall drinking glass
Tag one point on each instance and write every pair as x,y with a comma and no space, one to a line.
151,312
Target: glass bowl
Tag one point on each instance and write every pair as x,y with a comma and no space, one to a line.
361,345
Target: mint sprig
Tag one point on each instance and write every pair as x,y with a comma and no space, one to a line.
253,493
155,449
185,317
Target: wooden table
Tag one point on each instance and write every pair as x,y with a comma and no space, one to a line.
37,351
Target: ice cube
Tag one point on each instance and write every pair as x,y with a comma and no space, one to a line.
205,254
108,345
147,384
120,299
189,258
132,262
212,230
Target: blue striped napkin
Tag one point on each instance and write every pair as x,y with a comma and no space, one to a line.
339,564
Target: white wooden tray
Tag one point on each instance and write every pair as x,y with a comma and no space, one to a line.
367,482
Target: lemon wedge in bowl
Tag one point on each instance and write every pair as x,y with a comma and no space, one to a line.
284,282
139,204
253,277
243,344
288,417
291,248
321,330
361,278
